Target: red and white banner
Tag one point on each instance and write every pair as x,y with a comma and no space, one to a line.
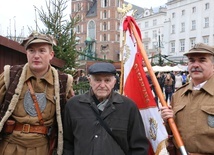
137,88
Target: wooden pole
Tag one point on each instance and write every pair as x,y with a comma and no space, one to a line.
171,122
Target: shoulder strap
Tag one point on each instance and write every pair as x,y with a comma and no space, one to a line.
105,126
36,104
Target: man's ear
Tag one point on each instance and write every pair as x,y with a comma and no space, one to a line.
52,55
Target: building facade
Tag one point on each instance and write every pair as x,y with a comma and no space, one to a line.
188,22
178,27
98,32
151,23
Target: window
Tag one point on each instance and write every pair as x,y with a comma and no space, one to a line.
91,29
193,25
146,46
118,3
206,39
105,3
193,9
146,34
104,26
207,6
154,45
206,22
78,28
118,26
104,37
172,47
173,29
183,12
154,34
182,27
192,42
146,24
78,7
173,15
104,14
154,22
182,45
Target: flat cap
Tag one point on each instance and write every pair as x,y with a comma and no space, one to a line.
201,48
36,37
102,67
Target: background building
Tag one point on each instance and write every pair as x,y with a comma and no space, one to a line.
188,22
178,27
98,32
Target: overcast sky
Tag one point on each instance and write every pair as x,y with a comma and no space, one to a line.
17,15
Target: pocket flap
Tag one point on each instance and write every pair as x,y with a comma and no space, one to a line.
208,109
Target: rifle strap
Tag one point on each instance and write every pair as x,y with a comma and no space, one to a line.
36,105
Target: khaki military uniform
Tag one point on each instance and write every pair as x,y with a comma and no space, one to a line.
194,116
19,143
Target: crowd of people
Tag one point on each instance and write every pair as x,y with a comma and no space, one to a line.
169,82
41,115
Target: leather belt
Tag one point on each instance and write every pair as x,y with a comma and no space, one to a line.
26,128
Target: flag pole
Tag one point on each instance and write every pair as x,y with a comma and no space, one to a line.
171,122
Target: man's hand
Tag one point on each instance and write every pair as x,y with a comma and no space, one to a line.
166,112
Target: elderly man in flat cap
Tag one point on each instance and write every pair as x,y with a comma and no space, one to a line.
192,105
103,122
32,97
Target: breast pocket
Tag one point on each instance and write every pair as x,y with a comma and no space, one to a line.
178,108
119,128
178,115
208,115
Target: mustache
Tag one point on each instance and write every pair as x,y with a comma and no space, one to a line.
196,70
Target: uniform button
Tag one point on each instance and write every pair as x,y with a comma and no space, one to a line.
96,136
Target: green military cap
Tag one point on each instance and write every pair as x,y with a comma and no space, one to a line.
36,37
201,48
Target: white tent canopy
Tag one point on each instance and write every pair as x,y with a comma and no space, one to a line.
165,68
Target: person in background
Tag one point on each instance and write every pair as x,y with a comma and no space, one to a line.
172,74
178,80
195,101
160,80
184,78
32,97
117,84
101,121
83,81
168,87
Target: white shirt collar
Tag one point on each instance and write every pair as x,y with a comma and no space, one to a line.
199,86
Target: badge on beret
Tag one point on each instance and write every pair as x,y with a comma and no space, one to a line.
29,105
211,121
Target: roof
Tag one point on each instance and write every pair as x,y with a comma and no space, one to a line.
93,10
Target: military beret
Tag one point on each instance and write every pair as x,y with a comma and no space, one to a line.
36,37
201,48
102,67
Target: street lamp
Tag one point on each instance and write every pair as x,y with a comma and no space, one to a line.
160,61
89,42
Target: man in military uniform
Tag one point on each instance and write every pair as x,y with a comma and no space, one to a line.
192,104
32,97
